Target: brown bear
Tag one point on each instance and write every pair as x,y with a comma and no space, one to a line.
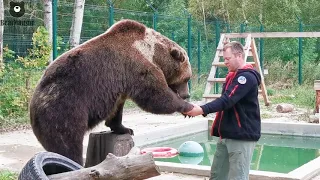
90,83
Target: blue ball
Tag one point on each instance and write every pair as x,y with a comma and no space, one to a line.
190,149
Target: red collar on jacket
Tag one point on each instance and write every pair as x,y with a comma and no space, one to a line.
231,75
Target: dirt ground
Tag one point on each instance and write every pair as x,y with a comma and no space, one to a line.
17,147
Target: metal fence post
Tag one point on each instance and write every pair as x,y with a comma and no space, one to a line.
300,53
217,27
261,46
300,50
111,12
242,30
155,18
155,14
189,42
54,29
199,54
228,28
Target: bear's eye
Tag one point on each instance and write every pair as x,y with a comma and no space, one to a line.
186,80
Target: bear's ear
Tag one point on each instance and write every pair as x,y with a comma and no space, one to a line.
21,3
12,3
177,55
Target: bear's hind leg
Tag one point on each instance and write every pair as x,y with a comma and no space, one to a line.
67,144
115,123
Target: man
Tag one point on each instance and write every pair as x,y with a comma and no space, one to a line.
237,121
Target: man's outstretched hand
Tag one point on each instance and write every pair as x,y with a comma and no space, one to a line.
197,110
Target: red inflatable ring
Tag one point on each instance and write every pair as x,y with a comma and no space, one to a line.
161,152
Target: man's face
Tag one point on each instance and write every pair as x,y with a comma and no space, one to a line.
232,61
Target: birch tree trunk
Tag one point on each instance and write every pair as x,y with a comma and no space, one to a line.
76,23
47,6
1,33
204,20
204,23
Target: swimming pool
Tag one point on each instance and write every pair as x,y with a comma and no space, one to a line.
276,153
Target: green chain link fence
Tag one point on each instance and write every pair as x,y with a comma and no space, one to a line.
198,38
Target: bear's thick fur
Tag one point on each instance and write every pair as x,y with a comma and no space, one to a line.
91,82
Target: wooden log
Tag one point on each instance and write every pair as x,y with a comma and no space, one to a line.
284,108
105,142
127,167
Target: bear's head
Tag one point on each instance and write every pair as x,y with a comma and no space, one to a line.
157,49
179,76
162,52
171,58
17,9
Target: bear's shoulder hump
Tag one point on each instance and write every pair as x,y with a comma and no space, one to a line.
127,26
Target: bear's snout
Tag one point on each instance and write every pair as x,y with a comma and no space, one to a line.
182,90
186,96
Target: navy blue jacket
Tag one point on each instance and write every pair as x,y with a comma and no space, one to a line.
238,111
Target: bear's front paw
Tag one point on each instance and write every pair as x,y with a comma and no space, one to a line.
187,107
122,130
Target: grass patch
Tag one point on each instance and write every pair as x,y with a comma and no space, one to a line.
7,175
302,96
265,116
10,122
197,88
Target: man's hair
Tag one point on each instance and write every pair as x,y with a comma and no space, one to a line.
236,47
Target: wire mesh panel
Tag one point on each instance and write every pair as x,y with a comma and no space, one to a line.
95,21
20,21
199,38
143,17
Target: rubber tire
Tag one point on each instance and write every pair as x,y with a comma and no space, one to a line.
47,163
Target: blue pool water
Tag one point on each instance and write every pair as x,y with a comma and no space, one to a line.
275,153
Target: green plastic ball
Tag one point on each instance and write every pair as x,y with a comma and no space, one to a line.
190,160
190,149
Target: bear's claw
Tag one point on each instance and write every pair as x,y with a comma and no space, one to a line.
185,116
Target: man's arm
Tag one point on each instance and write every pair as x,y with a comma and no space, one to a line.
238,88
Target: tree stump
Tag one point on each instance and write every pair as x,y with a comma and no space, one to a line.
284,108
102,143
132,166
